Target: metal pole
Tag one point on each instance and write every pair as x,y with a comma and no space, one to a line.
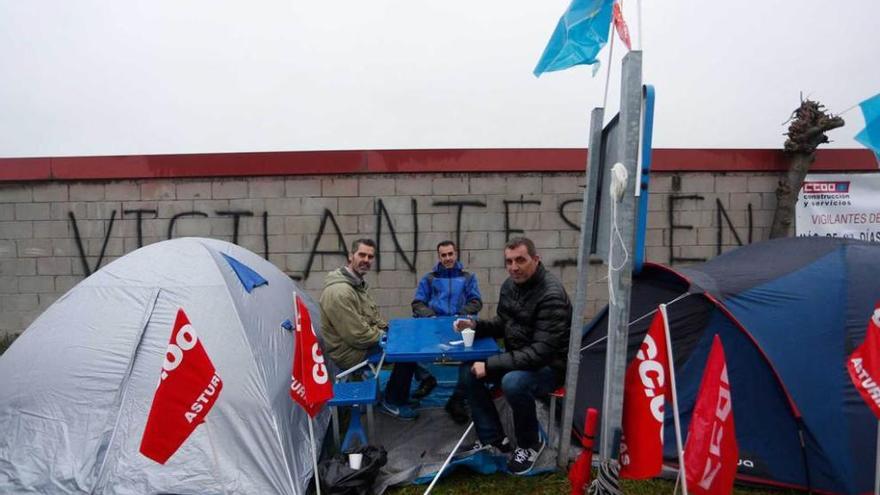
580,300
877,464
449,458
678,445
314,457
621,276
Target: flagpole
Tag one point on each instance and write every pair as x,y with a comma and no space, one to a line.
678,445
877,464
314,456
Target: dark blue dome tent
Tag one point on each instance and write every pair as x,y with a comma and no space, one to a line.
789,312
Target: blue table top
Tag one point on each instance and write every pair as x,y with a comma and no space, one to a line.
428,339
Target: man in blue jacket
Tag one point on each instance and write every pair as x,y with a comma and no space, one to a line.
447,290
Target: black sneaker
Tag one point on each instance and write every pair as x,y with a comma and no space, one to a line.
523,460
457,410
425,387
496,448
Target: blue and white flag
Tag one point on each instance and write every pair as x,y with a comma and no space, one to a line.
582,31
870,135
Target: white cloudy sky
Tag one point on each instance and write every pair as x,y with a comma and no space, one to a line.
108,77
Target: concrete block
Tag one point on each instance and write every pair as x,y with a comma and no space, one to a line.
64,247
8,284
419,185
339,186
254,205
18,302
698,183
302,187
191,227
453,186
229,189
370,186
731,184
51,192
86,191
307,225
473,240
18,267
193,190
32,211
286,244
284,206
34,248
36,284
489,222
16,230
357,206
399,205
210,206
122,191
64,283
266,188
7,212
524,185
660,183
15,193
563,184
765,183
488,184
52,229
168,209
103,210
316,206
740,201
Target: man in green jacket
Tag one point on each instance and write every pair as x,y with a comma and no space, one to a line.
352,327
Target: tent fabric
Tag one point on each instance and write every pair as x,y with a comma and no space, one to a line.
789,312
248,277
78,384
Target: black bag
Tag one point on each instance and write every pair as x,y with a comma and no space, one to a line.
339,479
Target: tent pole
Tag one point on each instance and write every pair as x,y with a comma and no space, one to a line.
449,458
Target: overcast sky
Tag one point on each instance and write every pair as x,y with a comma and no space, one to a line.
125,77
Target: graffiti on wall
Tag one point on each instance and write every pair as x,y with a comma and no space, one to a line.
329,227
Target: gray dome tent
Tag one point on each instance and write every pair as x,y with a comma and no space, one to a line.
78,384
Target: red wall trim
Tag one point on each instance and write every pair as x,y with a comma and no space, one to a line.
403,161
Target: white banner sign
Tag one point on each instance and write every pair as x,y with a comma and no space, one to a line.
840,205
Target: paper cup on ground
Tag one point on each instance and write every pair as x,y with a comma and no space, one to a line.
355,460
468,336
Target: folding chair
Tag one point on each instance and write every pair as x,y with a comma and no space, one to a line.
357,394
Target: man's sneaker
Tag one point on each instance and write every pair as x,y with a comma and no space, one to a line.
425,387
405,413
496,448
523,460
457,410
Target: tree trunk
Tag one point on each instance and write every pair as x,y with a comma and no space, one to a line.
809,123
787,193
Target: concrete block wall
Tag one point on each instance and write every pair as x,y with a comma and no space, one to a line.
53,233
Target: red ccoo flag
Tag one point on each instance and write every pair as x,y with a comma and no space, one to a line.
644,392
188,388
620,26
711,452
310,383
864,364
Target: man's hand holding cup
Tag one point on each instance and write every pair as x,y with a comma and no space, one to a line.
462,323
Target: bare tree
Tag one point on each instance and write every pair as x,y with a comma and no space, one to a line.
809,123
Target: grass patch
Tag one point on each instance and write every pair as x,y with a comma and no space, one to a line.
464,482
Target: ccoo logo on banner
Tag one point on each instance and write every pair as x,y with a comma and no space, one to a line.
188,388
840,205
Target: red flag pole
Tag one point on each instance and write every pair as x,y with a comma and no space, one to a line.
678,445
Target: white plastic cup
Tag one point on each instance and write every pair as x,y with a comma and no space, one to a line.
468,336
355,460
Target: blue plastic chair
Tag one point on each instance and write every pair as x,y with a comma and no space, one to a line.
358,395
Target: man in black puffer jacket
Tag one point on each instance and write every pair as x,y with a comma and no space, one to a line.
534,317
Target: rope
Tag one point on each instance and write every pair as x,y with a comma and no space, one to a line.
607,480
640,318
